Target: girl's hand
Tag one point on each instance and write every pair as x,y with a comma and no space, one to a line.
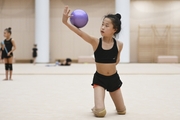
8,53
65,14
2,43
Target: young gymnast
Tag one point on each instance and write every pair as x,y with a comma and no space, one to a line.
107,55
1,57
8,46
34,53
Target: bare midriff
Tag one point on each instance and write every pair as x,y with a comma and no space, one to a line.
106,69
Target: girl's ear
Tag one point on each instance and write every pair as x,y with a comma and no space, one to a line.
115,31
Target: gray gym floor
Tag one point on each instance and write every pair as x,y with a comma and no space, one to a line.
151,92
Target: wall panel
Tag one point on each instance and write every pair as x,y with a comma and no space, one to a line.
151,12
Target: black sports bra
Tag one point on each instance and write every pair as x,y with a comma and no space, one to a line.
106,56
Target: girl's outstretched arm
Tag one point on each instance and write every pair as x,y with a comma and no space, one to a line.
83,35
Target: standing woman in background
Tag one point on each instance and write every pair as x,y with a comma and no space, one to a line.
34,54
1,57
8,47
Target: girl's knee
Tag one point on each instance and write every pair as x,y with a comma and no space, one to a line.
121,111
99,112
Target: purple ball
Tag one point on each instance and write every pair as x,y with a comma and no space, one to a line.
79,18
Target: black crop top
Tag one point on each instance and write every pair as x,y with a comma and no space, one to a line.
106,56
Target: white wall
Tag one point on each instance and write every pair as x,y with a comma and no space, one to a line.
19,14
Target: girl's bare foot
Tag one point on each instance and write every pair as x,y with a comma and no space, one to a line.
10,79
5,79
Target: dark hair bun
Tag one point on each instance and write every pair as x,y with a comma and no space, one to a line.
118,16
9,28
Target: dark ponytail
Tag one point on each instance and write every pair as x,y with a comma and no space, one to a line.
8,30
116,21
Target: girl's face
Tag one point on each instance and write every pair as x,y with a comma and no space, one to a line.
107,28
6,34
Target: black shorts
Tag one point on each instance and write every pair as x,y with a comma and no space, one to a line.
110,83
4,55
